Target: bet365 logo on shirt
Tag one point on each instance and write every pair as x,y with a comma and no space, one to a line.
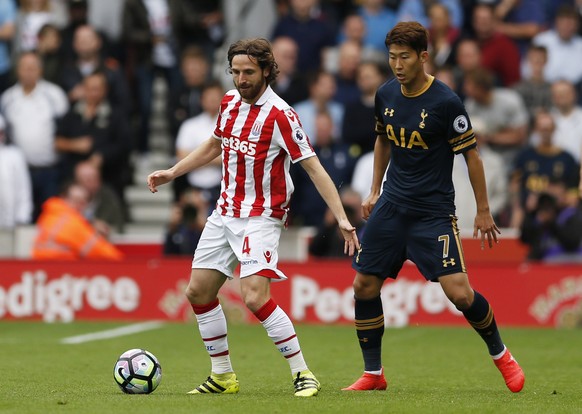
235,144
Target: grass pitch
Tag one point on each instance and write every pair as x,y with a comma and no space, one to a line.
429,370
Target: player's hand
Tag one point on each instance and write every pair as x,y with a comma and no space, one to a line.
158,178
368,205
351,242
485,225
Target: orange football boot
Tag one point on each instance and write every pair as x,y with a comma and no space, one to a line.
511,371
368,382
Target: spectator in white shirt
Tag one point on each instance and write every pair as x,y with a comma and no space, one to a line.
32,15
193,132
495,177
564,47
362,176
501,111
16,194
568,117
31,108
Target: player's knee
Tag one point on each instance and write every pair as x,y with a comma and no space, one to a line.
199,293
254,299
365,288
458,290
192,293
462,300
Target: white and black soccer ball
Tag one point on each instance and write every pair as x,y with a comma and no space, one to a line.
137,371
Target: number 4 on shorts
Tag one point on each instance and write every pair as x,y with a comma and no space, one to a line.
246,249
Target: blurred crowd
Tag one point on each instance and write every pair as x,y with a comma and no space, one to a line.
76,92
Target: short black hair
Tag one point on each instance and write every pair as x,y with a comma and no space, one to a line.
411,34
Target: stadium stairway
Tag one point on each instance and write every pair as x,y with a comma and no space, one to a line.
150,212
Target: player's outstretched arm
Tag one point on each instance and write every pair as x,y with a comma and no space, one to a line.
328,192
201,156
484,222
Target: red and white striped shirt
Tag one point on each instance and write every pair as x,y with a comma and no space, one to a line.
259,142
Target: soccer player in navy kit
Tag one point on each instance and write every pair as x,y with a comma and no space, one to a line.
420,125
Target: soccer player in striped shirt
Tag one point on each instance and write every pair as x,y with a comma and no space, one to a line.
420,125
258,136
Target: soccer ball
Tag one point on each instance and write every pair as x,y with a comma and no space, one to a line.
137,371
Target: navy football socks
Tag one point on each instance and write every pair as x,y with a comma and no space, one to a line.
480,316
370,329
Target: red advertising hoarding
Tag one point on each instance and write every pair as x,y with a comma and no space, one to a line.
316,292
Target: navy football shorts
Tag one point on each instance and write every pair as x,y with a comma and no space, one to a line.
394,234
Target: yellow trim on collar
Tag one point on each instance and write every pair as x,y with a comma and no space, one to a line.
421,91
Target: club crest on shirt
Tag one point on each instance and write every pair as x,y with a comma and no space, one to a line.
461,124
298,135
423,115
256,129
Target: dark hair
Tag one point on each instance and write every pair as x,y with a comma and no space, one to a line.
259,50
313,77
65,187
381,67
440,5
485,6
547,203
46,28
411,34
481,77
445,68
544,112
538,48
212,84
567,11
189,214
193,52
324,112
101,74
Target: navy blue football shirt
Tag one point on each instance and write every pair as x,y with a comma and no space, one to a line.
425,131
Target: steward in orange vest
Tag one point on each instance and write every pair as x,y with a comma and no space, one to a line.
64,234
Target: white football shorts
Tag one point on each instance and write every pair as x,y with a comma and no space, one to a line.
252,242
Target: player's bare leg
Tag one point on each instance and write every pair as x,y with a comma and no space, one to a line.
369,320
202,293
255,291
479,314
